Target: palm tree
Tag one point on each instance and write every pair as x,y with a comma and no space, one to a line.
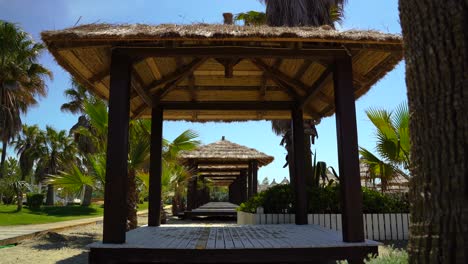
393,144
303,12
78,95
11,184
57,152
21,79
27,148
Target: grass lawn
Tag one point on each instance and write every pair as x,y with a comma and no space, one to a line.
50,214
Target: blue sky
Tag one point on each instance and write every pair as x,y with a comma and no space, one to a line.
38,15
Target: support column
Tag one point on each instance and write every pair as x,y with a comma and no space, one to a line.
254,177
154,198
297,126
243,186
115,188
348,158
192,193
249,181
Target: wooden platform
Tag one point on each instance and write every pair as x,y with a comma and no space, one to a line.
214,209
231,244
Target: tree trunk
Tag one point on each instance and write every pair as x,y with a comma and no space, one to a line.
19,203
50,195
4,151
435,34
163,214
309,170
132,199
88,193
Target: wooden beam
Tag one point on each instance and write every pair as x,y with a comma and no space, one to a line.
250,180
184,71
116,188
315,88
297,126
254,177
227,105
139,111
228,64
232,52
348,157
138,87
304,67
160,93
154,198
99,77
276,74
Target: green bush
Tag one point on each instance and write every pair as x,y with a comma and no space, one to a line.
394,256
280,199
34,200
324,199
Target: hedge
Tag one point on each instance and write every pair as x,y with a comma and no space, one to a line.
280,199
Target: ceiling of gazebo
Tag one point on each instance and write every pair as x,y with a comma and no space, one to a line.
205,64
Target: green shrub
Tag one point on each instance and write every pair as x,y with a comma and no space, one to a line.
280,199
34,200
324,199
394,256
250,206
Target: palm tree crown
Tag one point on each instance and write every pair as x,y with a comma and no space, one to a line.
21,78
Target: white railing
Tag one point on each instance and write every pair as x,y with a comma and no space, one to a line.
376,226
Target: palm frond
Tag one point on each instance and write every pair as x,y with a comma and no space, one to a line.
73,180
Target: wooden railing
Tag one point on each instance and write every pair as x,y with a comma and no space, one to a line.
376,226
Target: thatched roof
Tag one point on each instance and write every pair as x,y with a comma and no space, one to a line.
200,76
224,152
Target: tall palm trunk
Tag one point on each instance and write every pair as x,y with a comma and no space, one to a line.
4,152
87,196
50,199
435,34
132,199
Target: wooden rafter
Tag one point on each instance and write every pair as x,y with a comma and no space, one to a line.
137,84
276,74
315,88
176,76
304,67
231,52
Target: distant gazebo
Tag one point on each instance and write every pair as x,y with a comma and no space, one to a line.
203,73
225,164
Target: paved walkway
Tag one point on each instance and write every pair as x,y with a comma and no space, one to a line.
14,234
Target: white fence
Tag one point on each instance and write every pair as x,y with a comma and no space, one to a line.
376,226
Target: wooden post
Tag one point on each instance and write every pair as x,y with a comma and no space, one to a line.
243,186
192,193
254,176
249,181
115,188
154,198
297,126
348,159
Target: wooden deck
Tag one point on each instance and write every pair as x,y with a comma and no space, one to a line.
214,209
231,244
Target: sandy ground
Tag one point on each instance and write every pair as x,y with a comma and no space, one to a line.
69,247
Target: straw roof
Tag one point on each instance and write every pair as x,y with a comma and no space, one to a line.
224,152
268,65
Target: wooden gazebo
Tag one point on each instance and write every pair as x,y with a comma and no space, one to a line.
227,73
225,164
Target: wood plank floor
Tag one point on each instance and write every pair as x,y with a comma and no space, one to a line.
244,243
214,209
